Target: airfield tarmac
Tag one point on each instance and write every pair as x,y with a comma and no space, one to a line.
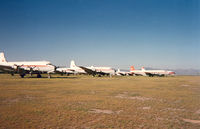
100,102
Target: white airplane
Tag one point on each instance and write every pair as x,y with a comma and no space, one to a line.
72,70
150,73
66,71
26,67
135,72
76,69
92,70
121,73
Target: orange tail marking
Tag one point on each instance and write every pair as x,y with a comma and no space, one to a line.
132,68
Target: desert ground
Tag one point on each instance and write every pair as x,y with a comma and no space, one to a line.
99,102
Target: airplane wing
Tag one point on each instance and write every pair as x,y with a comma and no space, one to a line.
154,74
136,74
89,71
122,74
93,72
6,68
16,69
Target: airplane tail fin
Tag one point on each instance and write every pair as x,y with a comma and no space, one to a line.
72,64
132,68
2,58
143,69
118,70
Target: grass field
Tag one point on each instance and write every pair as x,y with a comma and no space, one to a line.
93,102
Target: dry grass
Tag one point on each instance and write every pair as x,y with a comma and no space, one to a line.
87,102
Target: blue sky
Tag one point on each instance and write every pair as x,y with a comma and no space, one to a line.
117,33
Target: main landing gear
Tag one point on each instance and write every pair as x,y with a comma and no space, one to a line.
49,75
39,75
22,75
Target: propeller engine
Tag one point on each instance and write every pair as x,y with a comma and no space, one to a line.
20,70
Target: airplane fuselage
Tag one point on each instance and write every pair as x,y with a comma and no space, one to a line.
42,66
107,70
152,72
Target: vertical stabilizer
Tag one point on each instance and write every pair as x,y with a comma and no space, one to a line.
72,64
132,68
2,58
118,70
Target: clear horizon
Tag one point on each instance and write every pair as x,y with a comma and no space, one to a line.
149,33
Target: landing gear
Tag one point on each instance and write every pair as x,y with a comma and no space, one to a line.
22,75
12,74
39,75
49,75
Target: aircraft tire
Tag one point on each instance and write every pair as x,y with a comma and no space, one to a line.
22,75
39,75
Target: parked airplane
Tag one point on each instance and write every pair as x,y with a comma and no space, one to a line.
26,67
66,71
100,71
151,73
121,73
135,72
76,69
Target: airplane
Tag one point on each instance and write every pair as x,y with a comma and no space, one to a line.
100,71
121,73
135,72
76,69
26,67
150,73
65,70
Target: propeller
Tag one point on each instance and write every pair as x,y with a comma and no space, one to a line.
18,68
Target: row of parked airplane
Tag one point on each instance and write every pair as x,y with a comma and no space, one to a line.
38,67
